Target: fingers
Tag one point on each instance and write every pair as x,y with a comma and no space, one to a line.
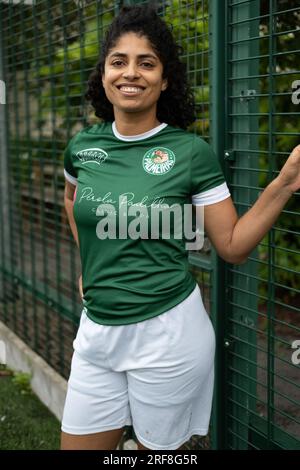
296,151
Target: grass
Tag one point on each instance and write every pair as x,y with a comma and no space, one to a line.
25,422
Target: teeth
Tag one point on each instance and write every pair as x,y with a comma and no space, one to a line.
130,89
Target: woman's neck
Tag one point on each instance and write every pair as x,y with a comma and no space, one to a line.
135,125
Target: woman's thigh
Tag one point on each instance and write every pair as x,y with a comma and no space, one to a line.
107,440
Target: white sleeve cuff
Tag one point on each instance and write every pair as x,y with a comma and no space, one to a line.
70,178
217,194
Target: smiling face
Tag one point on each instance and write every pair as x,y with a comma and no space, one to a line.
132,76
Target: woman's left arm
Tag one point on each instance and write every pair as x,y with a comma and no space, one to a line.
235,238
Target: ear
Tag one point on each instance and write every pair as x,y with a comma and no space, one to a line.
164,84
102,78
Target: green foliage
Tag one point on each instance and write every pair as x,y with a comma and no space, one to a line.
22,382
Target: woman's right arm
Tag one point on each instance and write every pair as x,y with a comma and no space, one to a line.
68,201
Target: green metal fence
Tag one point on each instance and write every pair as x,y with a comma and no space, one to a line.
242,58
262,383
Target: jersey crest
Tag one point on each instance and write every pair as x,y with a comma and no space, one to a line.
158,160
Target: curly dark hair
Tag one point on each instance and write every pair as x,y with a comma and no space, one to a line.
176,105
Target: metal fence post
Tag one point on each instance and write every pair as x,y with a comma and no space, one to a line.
217,131
5,236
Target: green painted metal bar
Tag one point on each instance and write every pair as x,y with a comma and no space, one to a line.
66,78
14,222
36,336
23,244
244,185
218,93
271,239
5,232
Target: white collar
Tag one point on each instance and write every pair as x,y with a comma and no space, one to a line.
145,135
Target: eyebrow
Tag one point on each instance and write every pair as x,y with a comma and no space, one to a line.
140,56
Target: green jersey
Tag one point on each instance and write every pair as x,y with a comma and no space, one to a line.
128,278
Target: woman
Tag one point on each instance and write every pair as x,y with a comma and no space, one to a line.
144,351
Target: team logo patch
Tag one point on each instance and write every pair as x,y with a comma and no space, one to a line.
158,161
94,155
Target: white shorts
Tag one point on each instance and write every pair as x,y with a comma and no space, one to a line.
156,375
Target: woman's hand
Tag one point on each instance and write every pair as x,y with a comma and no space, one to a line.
80,285
289,176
